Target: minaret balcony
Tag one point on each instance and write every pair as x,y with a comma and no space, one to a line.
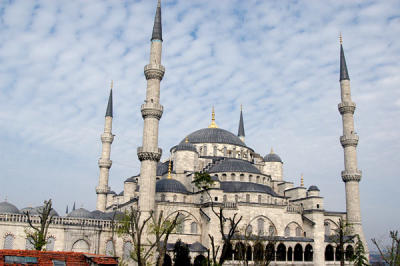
346,107
102,190
154,71
105,163
149,155
153,110
349,140
107,138
351,175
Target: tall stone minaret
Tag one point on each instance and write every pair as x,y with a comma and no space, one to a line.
241,134
149,154
351,175
104,162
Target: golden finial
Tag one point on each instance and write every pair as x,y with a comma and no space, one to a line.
340,38
169,169
186,140
213,124
302,180
112,84
272,151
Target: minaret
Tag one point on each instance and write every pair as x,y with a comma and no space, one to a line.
241,134
351,175
104,162
149,154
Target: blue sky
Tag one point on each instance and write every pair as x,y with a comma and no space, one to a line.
280,59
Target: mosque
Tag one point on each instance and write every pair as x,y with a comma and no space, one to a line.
245,183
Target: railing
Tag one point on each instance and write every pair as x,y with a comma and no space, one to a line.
21,218
294,208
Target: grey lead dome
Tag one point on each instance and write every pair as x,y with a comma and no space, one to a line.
234,165
272,157
213,135
170,185
81,213
6,207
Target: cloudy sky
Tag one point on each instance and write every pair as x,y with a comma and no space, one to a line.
280,59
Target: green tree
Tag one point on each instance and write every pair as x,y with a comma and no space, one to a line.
181,253
341,237
37,235
359,257
390,254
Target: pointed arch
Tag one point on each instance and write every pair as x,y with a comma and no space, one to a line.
329,254
298,253
281,252
308,253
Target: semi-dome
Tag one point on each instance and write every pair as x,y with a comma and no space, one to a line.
170,185
81,213
313,188
272,157
213,135
185,146
6,207
236,186
234,165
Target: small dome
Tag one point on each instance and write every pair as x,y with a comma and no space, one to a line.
6,207
36,210
185,146
234,165
214,135
272,157
313,188
81,213
170,185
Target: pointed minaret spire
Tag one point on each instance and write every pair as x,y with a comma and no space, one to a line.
73,207
344,74
109,111
157,28
66,211
241,134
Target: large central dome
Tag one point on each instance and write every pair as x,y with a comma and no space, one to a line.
214,135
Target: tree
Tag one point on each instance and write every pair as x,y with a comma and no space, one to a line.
134,225
341,237
203,181
37,236
359,257
181,253
390,254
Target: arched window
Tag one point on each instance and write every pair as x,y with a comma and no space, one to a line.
228,255
180,227
233,177
249,230
247,197
257,179
224,151
264,180
223,177
308,253
329,253
349,252
162,197
29,244
287,231
298,253
281,252
205,150
271,230
236,198
193,228
109,248
298,231
270,252
184,198
199,260
80,246
127,250
250,178
50,244
239,251
259,198
225,198
290,254
260,226
338,254
249,254
9,242
242,177
215,151
327,229
174,198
